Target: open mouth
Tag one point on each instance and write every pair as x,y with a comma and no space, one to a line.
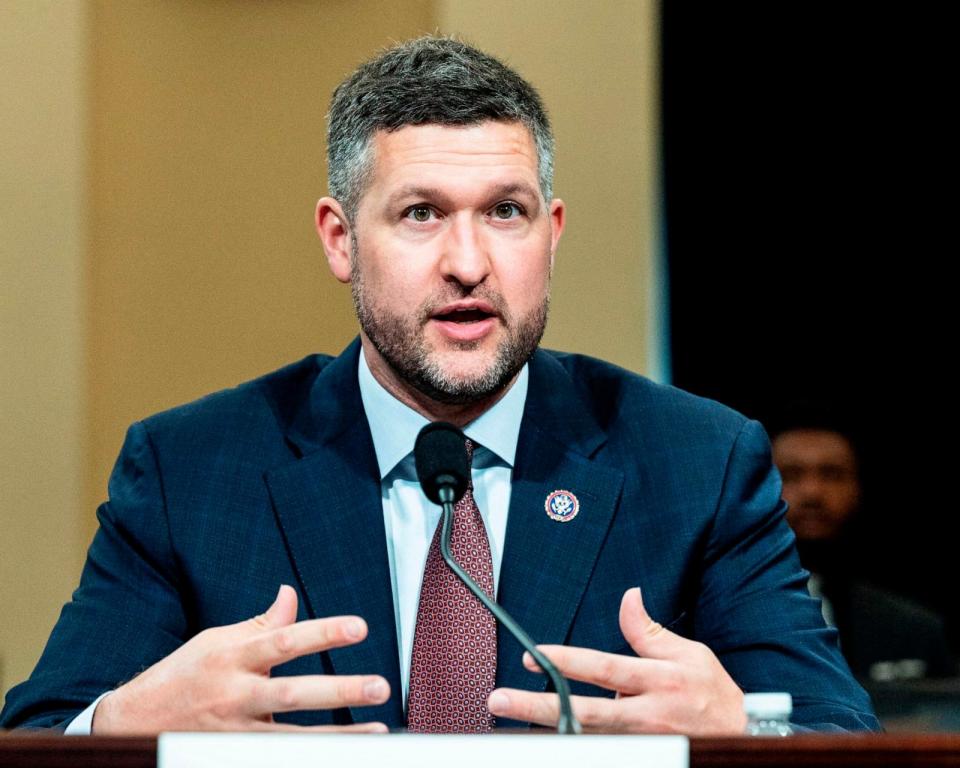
464,316
467,321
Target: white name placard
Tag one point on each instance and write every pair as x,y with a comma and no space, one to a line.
249,750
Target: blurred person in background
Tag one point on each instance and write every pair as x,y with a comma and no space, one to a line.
883,635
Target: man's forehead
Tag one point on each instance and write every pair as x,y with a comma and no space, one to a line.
491,145
813,445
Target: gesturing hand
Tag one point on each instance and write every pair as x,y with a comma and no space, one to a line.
676,686
220,679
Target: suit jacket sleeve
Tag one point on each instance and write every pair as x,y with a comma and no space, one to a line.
754,610
129,582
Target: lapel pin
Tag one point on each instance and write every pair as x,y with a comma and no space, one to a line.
562,506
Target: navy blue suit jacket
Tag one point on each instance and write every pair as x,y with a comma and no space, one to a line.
214,504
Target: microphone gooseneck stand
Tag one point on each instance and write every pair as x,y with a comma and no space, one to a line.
568,723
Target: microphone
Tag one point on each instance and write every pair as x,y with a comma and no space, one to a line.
443,471
442,467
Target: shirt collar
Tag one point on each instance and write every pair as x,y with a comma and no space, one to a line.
394,426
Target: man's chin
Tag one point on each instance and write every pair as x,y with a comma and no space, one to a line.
463,361
460,379
813,530
464,377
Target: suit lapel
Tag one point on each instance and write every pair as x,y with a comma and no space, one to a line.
547,564
329,508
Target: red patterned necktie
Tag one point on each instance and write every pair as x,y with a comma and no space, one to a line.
454,664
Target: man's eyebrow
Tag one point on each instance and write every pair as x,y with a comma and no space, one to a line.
514,188
416,192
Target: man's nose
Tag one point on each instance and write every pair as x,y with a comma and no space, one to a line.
465,255
810,487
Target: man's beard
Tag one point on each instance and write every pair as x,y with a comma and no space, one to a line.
400,341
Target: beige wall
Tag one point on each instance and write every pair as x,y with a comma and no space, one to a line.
42,395
195,265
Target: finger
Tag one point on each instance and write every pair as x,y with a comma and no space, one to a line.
647,637
625,674
268,649
295,693
596,714
288,728
282,612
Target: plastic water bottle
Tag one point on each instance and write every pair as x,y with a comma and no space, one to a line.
768,714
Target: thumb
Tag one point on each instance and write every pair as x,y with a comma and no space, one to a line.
282,612
646,637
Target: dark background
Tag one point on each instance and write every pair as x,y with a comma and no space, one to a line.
806,199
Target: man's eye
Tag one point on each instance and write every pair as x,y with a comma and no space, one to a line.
419,213
791,474
507,211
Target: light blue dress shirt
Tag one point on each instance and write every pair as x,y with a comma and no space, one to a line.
409,518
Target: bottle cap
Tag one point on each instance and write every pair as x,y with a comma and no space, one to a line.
768,705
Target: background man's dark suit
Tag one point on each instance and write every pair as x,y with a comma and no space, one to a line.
214,504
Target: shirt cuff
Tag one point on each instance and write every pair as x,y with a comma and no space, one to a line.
82,724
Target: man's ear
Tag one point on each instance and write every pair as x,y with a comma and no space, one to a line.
334,232
558,219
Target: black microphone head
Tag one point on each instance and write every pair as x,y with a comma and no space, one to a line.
441,456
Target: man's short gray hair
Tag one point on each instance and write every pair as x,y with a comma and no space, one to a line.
430,80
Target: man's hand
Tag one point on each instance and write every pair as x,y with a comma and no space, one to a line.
676,686
220,679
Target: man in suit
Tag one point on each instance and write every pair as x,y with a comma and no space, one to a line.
442,220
